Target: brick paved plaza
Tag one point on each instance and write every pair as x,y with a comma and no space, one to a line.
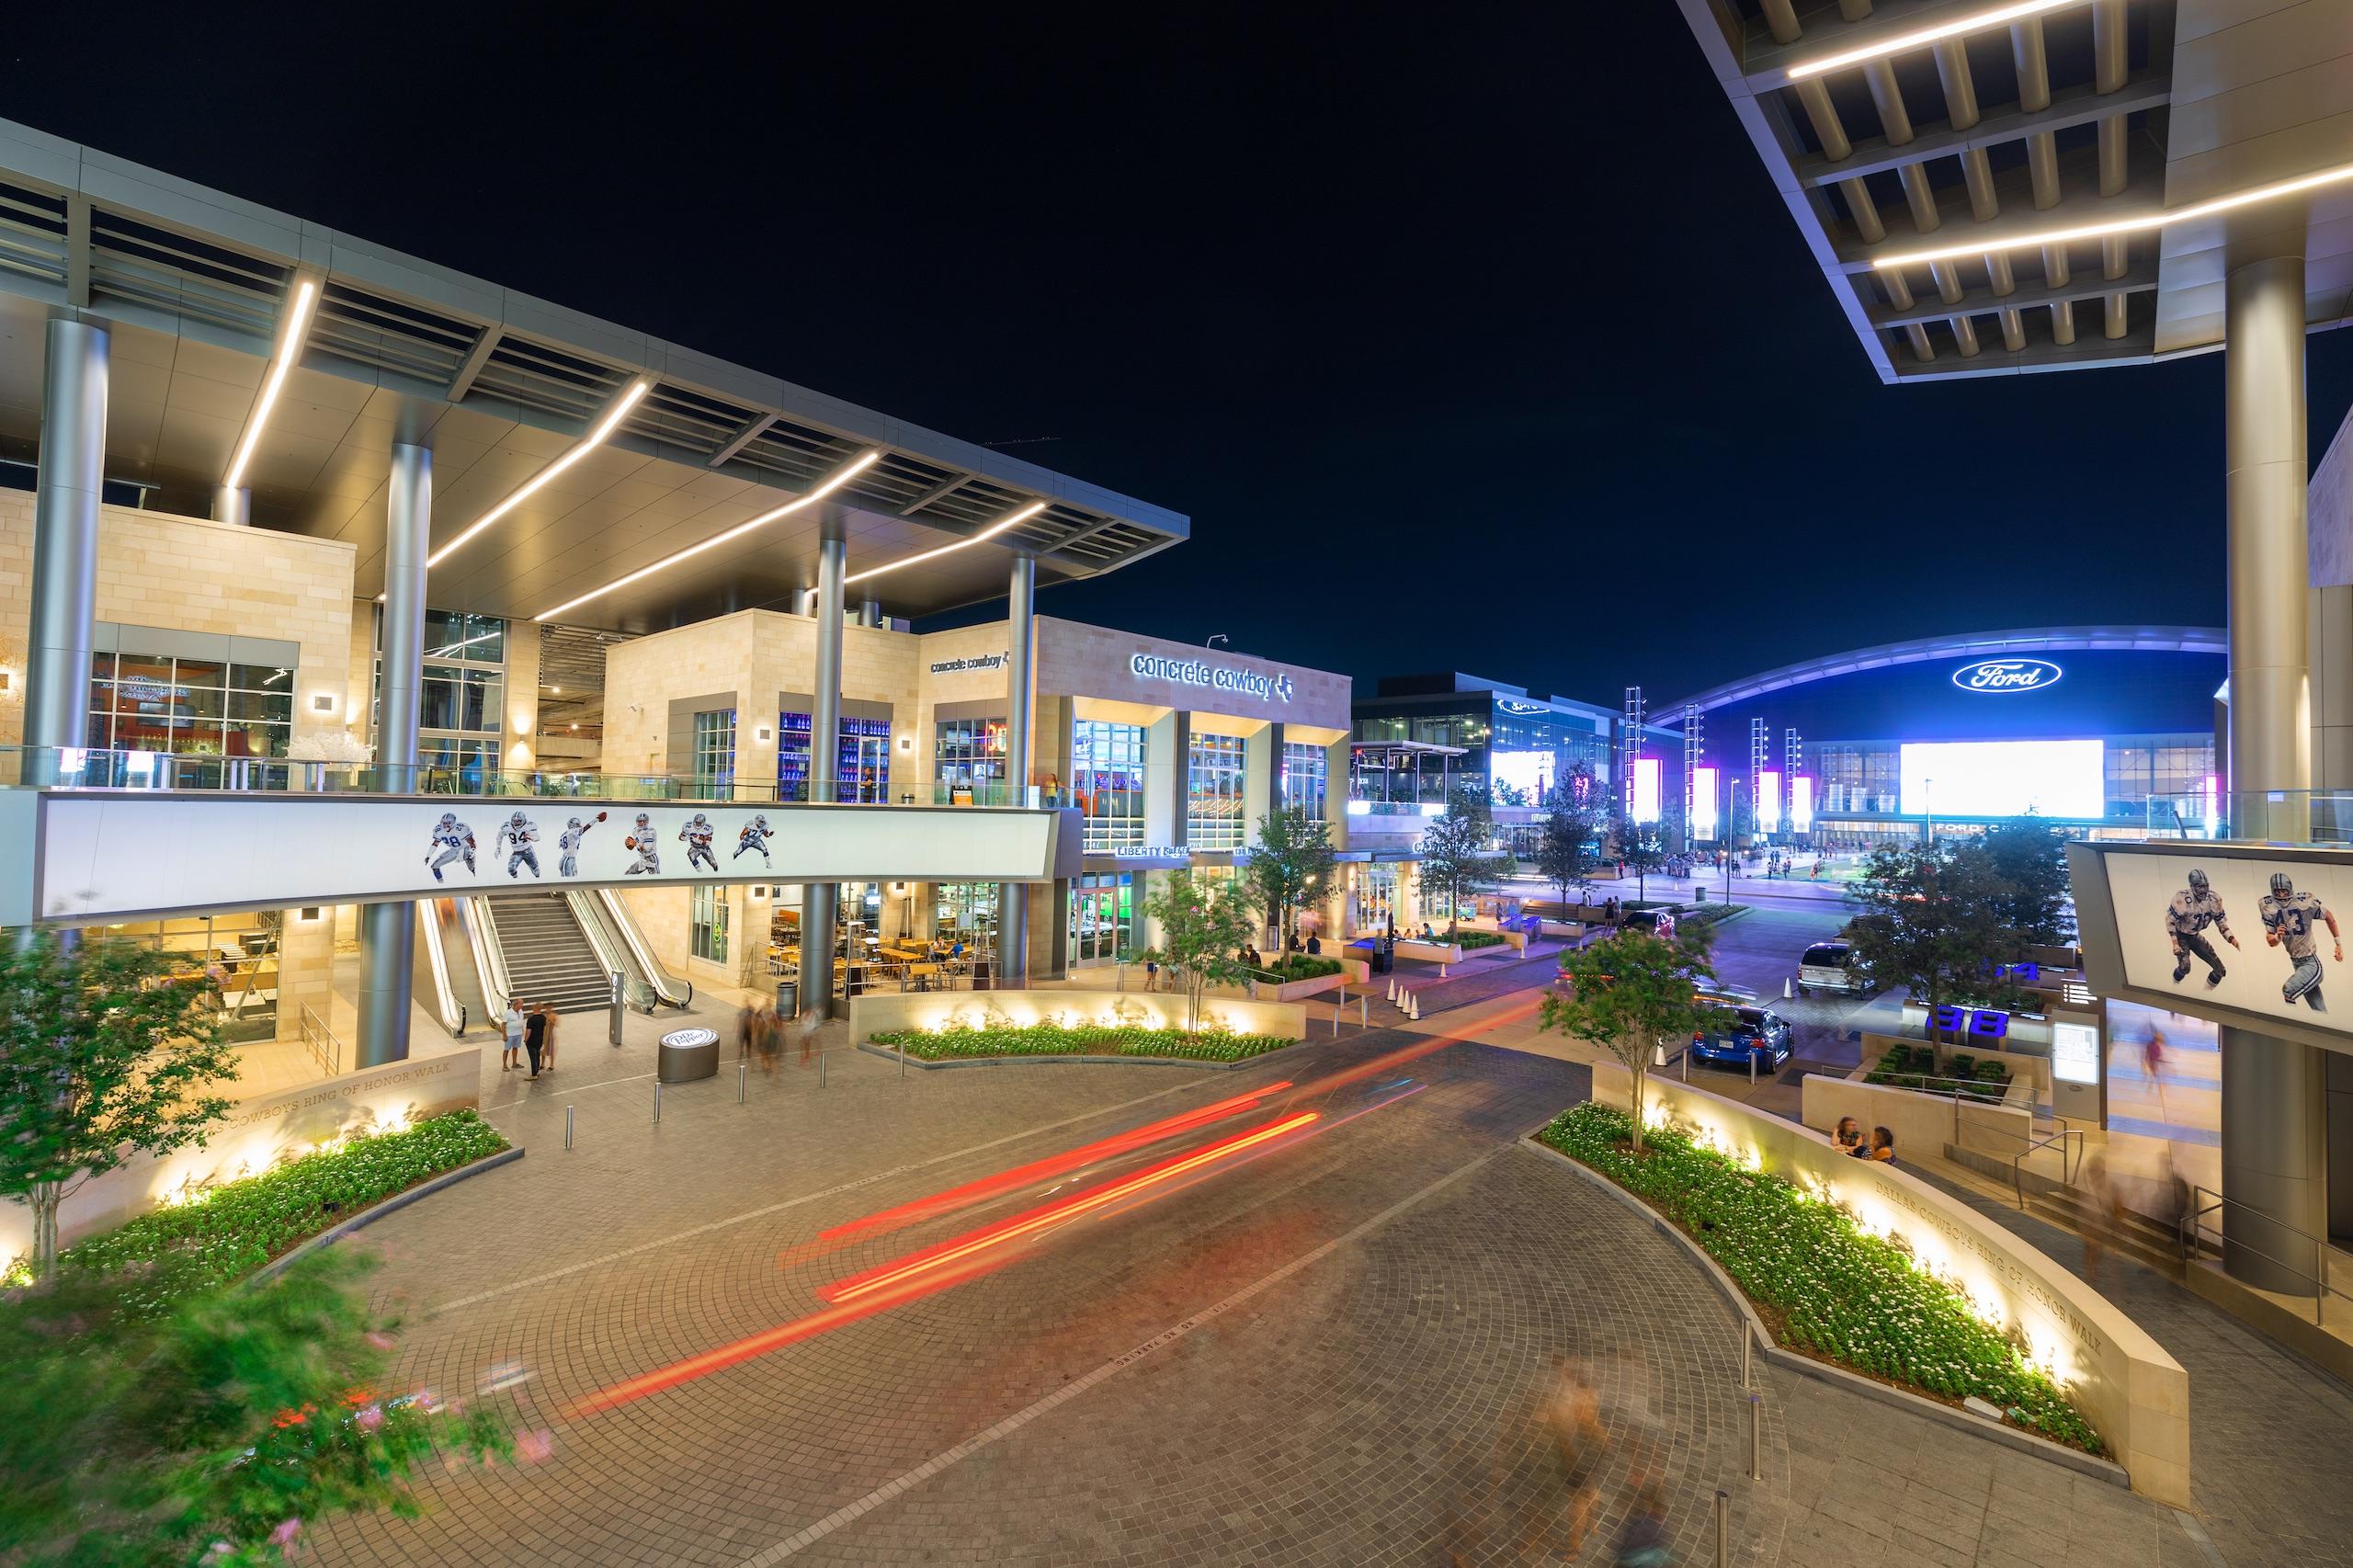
1327,1354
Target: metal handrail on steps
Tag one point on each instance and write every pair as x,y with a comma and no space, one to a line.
2067,1172
324,1049
2193,1235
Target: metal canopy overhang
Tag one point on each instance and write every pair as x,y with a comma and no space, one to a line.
191,282
1922,650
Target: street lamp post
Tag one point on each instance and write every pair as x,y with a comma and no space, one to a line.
1731,826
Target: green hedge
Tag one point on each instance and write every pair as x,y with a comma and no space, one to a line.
1838,1291
1080,1039
1915,1067
240,1226
1298,966
1467,940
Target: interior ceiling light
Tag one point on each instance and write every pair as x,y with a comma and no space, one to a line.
539,481
840,477
292,332
993,530
1998,17
2146,221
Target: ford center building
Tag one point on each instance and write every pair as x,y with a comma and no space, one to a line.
2080,726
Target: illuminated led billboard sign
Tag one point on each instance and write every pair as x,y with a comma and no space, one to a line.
2003,779
1768,801
2006,675
1703,802
1800,804
1646,806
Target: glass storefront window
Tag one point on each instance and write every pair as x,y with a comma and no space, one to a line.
466,638
707,921
1102,916
862,769
240,950
1305,782
715,751
1107,773
970,755
154,702
1215,818
967,910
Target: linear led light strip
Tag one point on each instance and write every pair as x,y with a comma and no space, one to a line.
840,477
290,333
990,532
2147,221
1998,17
539,481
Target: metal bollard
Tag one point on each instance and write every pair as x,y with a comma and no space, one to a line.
741,1070
1723,1529
1747,1338
903,1064
820,1069
1756,1437
567,1127
1336,1020
657,1102
1752,1069
1364,1011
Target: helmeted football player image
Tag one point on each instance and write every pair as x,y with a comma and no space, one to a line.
2193,909
455,840
756,835
568,843
696,836
517,834
2288,919
649,856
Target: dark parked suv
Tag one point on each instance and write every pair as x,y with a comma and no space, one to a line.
1741,1034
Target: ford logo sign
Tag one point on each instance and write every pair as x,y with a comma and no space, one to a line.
2006,674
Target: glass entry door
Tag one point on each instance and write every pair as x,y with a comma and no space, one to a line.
1102,917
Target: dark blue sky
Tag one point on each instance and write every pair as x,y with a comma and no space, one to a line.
1467,337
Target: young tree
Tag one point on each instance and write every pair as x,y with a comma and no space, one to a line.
1199,936
1933,921
1572,831
1289,865
2030,861
1640,846
105,1052
1458,853
1632,993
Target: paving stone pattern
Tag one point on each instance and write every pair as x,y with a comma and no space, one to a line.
1373,1403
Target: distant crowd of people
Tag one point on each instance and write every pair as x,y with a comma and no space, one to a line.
760,1033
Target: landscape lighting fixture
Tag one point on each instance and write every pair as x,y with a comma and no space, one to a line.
993,530
2146,221
839,477
1999,16
291,333
539,481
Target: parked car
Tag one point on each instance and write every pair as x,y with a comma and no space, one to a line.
1649,922
1833,967
1742,1034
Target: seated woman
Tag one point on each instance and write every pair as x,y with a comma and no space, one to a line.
1849,1138
1883,1145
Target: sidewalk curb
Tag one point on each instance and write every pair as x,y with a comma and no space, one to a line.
376,1211
919,1064
1839,1377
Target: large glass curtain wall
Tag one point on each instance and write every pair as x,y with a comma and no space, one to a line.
464,699
1304,781
970,760
1102,916
1215,817
192,706
1107,772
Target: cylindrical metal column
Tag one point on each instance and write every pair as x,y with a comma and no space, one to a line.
65,543
869,613
2274,1144
1021,702
820,902
232,503
388,931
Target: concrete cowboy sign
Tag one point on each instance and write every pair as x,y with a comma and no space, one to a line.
2003,676
971,662
1218,677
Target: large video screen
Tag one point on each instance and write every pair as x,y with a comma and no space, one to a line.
1529,772
2261,935
1647,795
2004,778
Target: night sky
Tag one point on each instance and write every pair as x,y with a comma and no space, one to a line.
1469,338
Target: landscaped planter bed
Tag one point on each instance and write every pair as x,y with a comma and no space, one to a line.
1083,1040
1825,1286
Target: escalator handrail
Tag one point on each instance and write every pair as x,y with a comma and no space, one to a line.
430,922
655,976
490,959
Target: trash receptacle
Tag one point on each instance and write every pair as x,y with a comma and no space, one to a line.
1698,895
788,997
686,1055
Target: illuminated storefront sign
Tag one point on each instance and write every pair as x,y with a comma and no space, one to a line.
973,662
1218,677
1703,802
1646,805
1801,804
2006,674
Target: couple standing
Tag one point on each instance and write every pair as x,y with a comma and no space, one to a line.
532,1033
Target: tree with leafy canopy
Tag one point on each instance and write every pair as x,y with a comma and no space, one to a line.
106,1051
1630,994
1571,834
1292,861
1934,920
217,1429
1641,848
2029,858
1201,937
1458,854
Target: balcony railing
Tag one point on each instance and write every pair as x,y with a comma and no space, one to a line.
74,768
2269,816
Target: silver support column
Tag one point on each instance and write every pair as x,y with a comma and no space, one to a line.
2274,1091
232,503
1020,748
821,904
388,931
65,543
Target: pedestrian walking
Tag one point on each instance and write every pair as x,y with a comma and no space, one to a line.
767,1030
510,1057
808,1027
1643,1543
1571,1421
546,1037
535,1034
746,1021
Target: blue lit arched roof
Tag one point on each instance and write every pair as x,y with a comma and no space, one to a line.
2032,640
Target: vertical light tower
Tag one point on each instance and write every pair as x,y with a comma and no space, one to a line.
1692,755
1792,754
1760,762
1630,749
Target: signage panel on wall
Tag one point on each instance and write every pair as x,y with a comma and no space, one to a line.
1703,802
2075,1052
2007,675
2262,935
1768,801
1647,792
2003,779
971,662
108,854
1801,804
1218,677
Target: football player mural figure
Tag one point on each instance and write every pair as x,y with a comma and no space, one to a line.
2193,909
696,836
568,843
649,856
756,835
2288,917
455,840
516,836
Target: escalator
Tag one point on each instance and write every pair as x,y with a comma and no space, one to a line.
447,979
545,952
604,914
560,947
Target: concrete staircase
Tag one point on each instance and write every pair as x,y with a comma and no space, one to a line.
548,957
